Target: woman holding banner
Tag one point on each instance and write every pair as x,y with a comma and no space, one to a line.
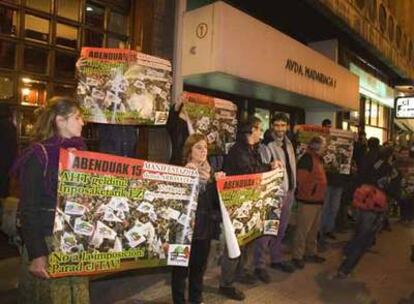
59,125
207,223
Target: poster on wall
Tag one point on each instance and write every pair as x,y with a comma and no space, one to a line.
339,146
116,213
251,206
214,117
119,86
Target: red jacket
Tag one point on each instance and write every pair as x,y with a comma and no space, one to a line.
368,197
311,179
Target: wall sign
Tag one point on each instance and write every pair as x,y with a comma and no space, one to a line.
310,73
404,107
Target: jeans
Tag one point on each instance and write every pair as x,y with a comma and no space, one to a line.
406,209
368,224
330,208
200,250
231,269
274,243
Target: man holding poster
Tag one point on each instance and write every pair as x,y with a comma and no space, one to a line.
281,150
243,158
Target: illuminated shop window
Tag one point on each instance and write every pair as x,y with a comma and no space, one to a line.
33,92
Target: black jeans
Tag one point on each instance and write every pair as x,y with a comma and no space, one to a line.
200,250
406,209
368,224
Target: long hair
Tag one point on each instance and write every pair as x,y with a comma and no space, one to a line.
45,126
246,128
189,143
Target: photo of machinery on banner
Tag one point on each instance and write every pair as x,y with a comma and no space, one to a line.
213,117
250,206
116,213
120,86
338,150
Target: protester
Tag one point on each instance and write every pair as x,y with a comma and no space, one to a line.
8,148
327,123
207,223
311,190
59,125
243,158
281,150
370,200
336,182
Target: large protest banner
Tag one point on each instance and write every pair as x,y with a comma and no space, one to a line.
339,146
213,117
116,213
120,86
251,206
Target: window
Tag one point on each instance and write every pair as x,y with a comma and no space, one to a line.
7,54
6,87
66,35
382,18
65,65
68,9
95,15
8,24
367,111
36,28
64,90
391,28
93,38
118,23
41,5
115,42
33,92
35,59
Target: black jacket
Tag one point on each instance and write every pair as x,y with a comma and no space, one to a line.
36,208
208,214
244,159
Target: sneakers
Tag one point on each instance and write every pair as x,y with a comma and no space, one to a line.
314,259
232,293
263,275
247,279
283,266
298,263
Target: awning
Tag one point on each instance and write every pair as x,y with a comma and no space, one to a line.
225,49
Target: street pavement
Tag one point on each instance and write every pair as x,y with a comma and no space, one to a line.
384,276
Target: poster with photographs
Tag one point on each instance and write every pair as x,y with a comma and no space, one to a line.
252,204
115,213
213,117
119,86
339,146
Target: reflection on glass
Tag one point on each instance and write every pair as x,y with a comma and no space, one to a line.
42,5
116,43
36,28
95,15
68,9
264,116
118,23
367,111
93,38
7,52
65,65
66,35
33,92
8,24
6,87
64,90
35,59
